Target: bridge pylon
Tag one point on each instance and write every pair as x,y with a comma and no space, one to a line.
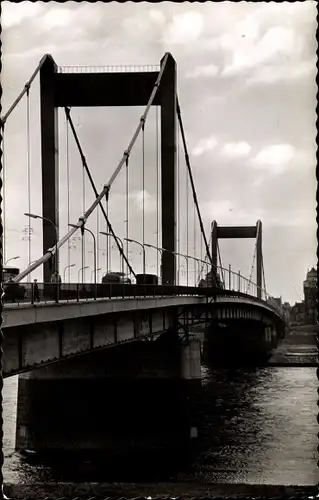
219,232
108,89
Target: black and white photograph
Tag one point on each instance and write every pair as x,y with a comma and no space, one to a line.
158,250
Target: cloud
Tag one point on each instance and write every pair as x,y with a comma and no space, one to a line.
58,17
204,145
157,17
209,70
236,149
278,42
149,201
13,15
279,38
184,28
220,210
275,159
271,74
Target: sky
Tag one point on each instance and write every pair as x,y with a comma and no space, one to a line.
246,86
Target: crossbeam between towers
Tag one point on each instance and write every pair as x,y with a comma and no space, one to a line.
108,89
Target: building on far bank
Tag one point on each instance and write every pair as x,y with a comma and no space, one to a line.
297,313
287,310
310,293
306,311
277,300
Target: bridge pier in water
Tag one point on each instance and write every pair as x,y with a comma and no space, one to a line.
239,342
126,400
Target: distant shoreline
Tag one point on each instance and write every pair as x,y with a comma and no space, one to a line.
298,348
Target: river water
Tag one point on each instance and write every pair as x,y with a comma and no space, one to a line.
257,427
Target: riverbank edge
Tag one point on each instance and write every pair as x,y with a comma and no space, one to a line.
40,491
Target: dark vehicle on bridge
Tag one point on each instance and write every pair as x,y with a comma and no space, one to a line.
12,291
116,277
146,279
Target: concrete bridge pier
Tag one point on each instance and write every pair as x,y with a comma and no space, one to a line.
239,342
271,335
130,400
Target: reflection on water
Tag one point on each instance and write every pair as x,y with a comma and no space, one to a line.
257,426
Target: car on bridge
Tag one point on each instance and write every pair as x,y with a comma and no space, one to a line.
12,291
116,277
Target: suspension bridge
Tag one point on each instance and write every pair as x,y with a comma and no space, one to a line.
57,319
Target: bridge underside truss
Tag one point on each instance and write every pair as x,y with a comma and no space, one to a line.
33,344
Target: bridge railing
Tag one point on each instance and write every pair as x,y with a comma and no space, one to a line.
236,282
50,293
28,293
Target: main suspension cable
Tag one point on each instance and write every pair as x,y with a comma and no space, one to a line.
206,256
178,211
26,88
263,270
104,192
51,251
142,121
193,187
110,229
221,265
252,268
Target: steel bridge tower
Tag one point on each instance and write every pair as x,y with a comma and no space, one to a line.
107,89
239,232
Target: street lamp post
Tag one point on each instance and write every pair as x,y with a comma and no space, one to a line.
98,269
122,246
196,260
81,269
160,250
94,247
34,216
67,267
130,240
185,257
12,258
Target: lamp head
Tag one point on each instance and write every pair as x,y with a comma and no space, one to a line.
33,216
